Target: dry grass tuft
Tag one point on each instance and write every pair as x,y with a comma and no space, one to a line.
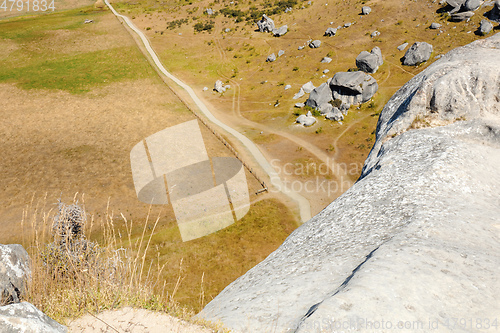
73,275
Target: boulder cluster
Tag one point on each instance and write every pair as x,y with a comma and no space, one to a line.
266,24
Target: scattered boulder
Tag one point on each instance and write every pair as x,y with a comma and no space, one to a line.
471,5
280,31
280,53
219,87
308,87
375,34
271,58
335,115
402,46
485,27
419,52
25,317
205,88
326,71
456,4
353,87
330,32
288,87
299,94
369,62
319,96
99,4
315,44
366,10
306,120
265,24
227,30
300,48
14,272
210,11
299,105
419,224
326,60
325,108
87,21
462,16
435,25
347,25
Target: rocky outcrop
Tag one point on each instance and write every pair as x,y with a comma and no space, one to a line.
419,52
281,31
369,62
366,10
402,46
26,318
14,272
415,241
306,119
266,24
315,44
271,58
353,87
320,95
219,86
330,32
485,27
462,16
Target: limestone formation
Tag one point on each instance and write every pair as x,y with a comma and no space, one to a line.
280,53
335,115
330,32
326,60
462,16
320,95
435,25
315,44
485,27
280,31
369,62
402,46
266,24
219,86
353,87
271,57
366,10
375,34
306,120
325,108
308,87
415,239
25,317
299,94
14,272
472,5
417,53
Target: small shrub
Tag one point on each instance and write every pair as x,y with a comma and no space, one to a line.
295,69
319,130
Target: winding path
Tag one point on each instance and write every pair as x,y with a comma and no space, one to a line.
303,203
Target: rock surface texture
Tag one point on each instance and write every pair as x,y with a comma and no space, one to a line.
26,318
14,271
353,87
417,239
417,53
369,62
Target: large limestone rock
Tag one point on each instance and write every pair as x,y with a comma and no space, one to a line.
485,27
353,87
419,52
219,87
330,32
26,318
416,240
281,31
306,119
14,272
369,62
472,5
320,95
266,24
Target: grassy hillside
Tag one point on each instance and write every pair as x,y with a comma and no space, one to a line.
74,99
